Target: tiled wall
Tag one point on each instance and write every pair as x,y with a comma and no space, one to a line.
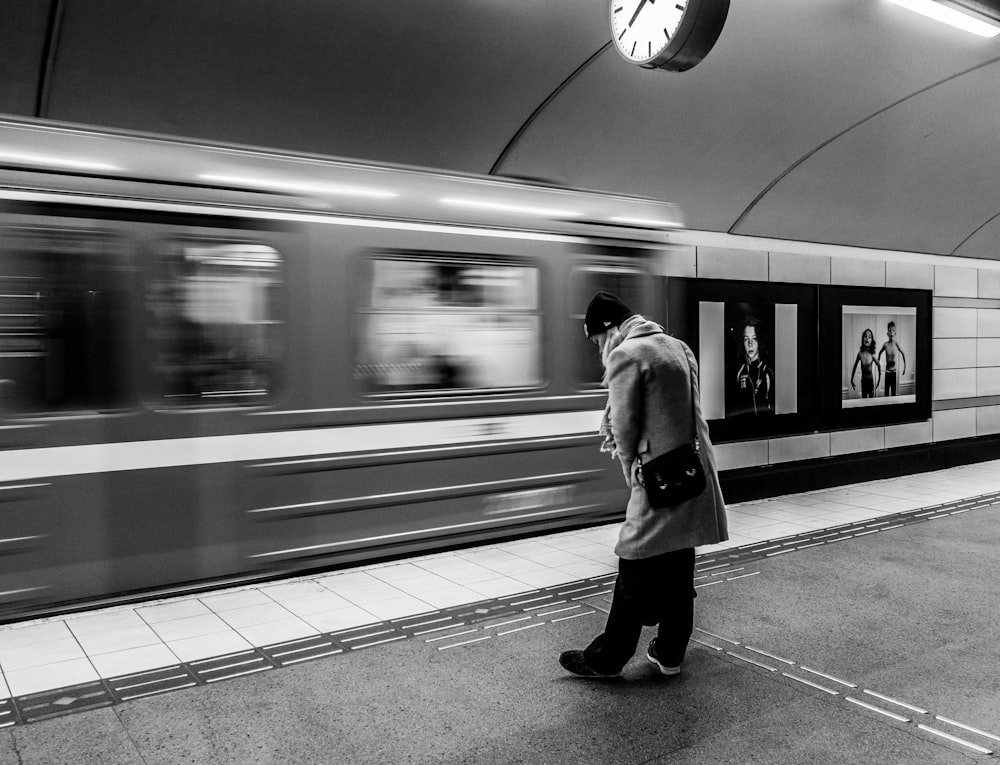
966,341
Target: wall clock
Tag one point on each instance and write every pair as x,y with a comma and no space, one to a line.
666,34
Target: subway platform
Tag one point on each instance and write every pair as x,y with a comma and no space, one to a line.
858,624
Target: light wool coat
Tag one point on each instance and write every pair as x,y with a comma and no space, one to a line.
649,379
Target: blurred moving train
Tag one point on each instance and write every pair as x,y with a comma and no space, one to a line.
221,364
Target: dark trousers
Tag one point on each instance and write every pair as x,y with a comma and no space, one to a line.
658,590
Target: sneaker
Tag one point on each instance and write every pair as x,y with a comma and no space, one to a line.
576,662
664,669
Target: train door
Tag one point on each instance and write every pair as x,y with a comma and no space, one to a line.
214,349
68,378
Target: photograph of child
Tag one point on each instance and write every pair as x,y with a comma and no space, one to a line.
878,371
749,369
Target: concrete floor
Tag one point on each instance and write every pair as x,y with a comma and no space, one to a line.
908,617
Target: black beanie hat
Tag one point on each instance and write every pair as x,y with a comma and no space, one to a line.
605,311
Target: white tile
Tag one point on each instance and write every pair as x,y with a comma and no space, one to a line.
954,423
52,652
50,676
103,621
591,568
727,263
18,635
396,608
954,383
277,632
340,619
859,440
486,556
527,548
348,579
133,660
740,454
955,352
116,640
549,577
429,583
988,322
293,590
799,447
796,267
452,596
516,566
568,542
208,646
180,609
597,553
987,353
678,260
228,601
192,626
4,690
952,281
397,572
908,434
778,530
314,604
465,575
955,322
918,276
555,558
360,593
987,421
497,588
256,614
988,381
989,283
855,271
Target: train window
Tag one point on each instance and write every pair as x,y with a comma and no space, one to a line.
66,318
626,284
213,322
447,325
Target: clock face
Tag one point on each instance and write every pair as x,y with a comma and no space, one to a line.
666,34
642,29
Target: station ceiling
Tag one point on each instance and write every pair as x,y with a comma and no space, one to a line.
850,122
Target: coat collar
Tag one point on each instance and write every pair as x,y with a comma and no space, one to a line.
638,326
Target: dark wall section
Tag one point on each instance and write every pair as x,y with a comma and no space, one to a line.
809,475
24,26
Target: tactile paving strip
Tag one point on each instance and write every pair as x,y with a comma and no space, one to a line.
941,730
447,628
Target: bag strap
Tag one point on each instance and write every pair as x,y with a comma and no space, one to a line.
694,420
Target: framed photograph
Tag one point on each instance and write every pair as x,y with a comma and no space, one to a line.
756,349
875,366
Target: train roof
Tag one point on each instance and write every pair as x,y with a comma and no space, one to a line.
74,160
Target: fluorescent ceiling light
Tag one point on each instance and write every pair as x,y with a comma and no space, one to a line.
44,159
503,207
301,188
949,15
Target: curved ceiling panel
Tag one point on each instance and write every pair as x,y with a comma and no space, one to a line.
443,83
921,175
783,79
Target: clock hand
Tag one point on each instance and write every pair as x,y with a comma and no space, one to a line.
639,7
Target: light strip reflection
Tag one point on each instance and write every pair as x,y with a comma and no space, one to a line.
303,188
503,207
45,159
